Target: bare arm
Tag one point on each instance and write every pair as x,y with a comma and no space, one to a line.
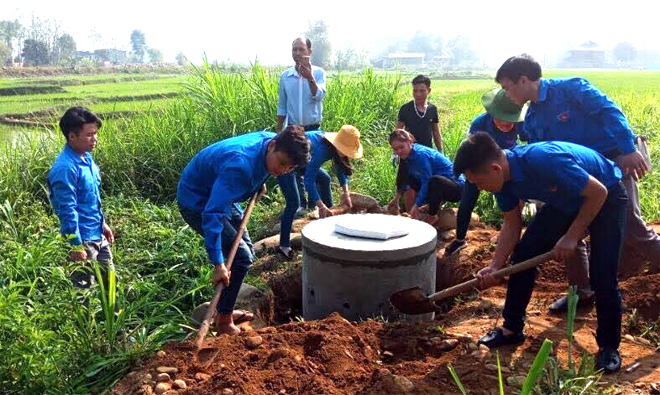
400,125
509,237
280,123
437,137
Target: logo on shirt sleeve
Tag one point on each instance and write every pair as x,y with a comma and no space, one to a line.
564,116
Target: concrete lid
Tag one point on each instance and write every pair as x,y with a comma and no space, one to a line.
320,236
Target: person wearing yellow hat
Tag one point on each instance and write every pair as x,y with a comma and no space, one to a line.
503,121
340,147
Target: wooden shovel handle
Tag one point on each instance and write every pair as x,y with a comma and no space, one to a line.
474,283
230,259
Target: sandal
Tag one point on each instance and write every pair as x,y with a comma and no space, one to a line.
245,316
286,256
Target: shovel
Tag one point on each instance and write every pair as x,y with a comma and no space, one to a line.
203,330
415,301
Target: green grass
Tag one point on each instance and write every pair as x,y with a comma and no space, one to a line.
50,343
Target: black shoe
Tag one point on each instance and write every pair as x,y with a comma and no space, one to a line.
289,256
608,359
496,338
455,247
561,305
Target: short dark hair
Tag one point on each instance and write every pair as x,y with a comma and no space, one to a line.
401,135
517,66
74,118
294,143
476,151
422,79
308,42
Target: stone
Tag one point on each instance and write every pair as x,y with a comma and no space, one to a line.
491,367
227,391
253,342
170,392
146,390
448,344
535,312
160,353
447,235
162,388
180,384
271,243
483,348
472,347
515,381
629,338
388,354
163,377
249,298
166,369
363,202
643,341
199,376
402,383
147,377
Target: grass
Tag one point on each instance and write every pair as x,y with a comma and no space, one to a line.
52,344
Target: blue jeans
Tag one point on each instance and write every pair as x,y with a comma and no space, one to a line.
244,255
468,202
289,187
543,232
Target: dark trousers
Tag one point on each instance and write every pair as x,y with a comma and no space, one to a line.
466,206
442,189
293,197
244,255
543,232
300,173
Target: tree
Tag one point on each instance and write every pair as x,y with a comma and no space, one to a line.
461,51
5,53
35,53
350,59
624,52
181,59
155,55
422,42
64,51
321,47
139,44
9,30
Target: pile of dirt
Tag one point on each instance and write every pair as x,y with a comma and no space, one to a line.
643,293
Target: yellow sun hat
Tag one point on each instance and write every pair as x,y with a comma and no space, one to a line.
347,141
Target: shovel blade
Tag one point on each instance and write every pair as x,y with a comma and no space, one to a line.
412,301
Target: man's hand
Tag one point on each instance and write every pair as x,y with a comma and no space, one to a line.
107,232
564,248
78,255
634,165
414,212
305,70
324,211
262,191
220,273
346,200
485,277
393,206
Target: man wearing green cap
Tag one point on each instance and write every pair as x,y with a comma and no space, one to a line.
503,122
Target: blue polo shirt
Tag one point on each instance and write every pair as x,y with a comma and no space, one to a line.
555,173
320,154
506,140
424,163
573,110
74,184
219,176
295,99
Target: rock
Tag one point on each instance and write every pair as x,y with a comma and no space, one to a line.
482,352
199,376
250,299
485,305
447,235
162,388
279,353
643,341
160,353
147,377
282,391
402,383
180,384
491,367
253,342
271,243
535,312
363,202
170,392
640,384
146,390
166,369
472,347
388,354
629,338
447,219
448,344
227,391
655,388
515,381
163,377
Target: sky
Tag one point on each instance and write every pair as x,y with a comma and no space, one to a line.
240,31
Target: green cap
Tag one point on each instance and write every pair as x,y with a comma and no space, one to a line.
500,107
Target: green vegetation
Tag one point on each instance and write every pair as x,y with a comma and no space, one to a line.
50,342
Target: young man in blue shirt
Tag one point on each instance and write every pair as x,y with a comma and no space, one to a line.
74,183
581,190
572,109
211,186
503,122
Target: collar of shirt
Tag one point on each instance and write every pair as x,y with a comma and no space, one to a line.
84,159
292,72
543,90
515,167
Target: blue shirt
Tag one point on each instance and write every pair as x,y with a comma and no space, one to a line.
74,183
296,102
220,175
320,153
573,110
555,173
423,163
506,140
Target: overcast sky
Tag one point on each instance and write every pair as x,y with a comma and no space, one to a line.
243,30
